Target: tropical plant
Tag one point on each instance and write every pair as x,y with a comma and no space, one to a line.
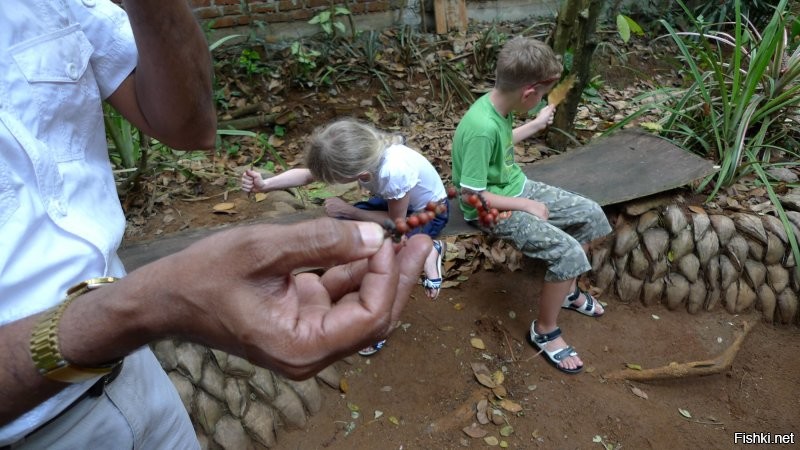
301,63
328,20
740,105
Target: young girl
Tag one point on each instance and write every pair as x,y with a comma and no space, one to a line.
400,180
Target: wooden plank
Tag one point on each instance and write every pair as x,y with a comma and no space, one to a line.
457,15
621,167
440,14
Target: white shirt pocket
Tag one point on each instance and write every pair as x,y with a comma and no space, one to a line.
56,67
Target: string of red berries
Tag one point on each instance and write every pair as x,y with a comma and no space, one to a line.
487,216
399,227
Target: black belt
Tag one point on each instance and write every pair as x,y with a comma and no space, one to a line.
96,390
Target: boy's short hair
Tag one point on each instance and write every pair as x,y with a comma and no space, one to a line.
524,61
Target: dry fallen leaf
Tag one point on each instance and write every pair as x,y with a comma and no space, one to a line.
260,197
485,380
343,386
510,406
559,93
638,392
482,375
491,440
474,431
483,419
500,391
698,210
225,206
477,343
498,377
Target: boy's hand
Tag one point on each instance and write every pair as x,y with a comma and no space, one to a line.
538,209
545,117
252,181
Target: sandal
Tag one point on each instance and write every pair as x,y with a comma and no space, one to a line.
589,307
435,284
556,356
372,349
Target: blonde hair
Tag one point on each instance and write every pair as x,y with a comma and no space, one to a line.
524,61
344,149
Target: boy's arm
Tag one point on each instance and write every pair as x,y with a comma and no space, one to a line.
539,123
503,203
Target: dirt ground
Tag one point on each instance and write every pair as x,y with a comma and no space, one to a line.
421,390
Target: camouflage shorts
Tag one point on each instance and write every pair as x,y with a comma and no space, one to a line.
573,220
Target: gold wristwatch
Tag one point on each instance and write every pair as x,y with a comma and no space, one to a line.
44,341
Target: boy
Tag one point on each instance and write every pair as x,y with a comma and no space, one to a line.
546,222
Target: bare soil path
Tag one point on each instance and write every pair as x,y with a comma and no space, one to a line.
420,391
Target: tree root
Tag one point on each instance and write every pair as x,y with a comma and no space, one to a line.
674,370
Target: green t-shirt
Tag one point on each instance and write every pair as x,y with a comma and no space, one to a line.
483,154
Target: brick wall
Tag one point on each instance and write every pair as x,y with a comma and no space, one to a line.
233,13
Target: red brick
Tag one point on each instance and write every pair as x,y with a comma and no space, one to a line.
260,8
358,8
232,10
301,14
199,3
378,6
277,17
227,2
225,22
289,5
207,13
316,3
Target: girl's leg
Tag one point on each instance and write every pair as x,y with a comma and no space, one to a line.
433,269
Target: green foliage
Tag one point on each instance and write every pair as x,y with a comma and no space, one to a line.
484,51
740,100
124,139
329,21
626,26
757,12
303,61
250,62
261,138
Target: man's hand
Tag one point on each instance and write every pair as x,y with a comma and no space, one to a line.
237,291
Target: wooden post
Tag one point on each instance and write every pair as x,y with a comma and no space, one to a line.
440,14
450,15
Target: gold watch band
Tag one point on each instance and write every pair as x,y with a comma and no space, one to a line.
44,346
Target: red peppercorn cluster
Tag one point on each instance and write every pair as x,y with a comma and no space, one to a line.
487,216
399,227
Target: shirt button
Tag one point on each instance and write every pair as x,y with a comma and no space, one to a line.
72,71
89,3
